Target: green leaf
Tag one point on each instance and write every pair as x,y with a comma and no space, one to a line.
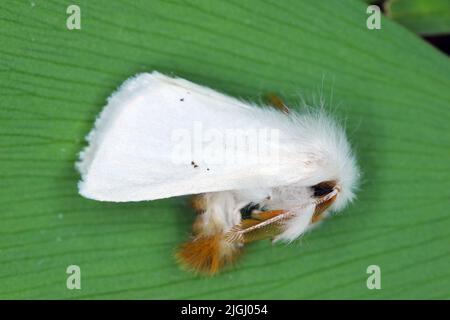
426,17
390,86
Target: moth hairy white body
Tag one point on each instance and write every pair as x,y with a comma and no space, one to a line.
155,139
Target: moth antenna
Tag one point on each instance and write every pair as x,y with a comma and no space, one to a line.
265,224
235,235
207,254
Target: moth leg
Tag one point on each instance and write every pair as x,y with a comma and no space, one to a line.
198,203
318,217
258,227
257,216
277,102
321,210
265,215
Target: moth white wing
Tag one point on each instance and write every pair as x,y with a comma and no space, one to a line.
143,146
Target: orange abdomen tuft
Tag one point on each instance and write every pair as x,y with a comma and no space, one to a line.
207,254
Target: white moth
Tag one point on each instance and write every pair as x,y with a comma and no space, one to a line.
257,172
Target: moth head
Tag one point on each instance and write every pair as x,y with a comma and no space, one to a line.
332,177
340,177
339,187
334,163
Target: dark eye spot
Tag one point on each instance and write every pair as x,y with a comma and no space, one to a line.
323,188
246,212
